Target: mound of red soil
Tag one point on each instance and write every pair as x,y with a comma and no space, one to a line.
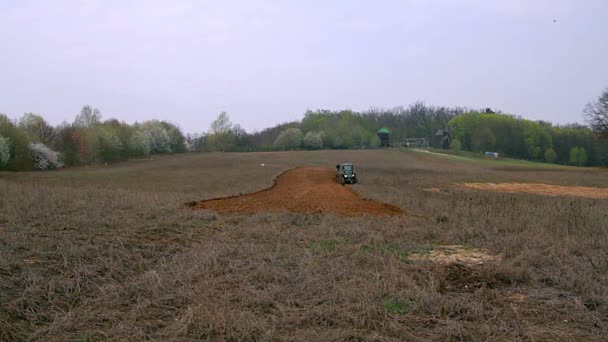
302,190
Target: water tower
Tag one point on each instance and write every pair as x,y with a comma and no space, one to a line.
383,135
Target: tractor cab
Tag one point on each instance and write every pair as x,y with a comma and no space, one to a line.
345,173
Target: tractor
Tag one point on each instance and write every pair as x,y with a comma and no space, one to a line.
345,173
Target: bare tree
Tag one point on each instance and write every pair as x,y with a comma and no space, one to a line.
88,117
596,114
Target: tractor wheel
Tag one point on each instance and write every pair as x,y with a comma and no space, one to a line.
341,181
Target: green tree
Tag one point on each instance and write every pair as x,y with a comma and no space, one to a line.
550,155
37,129
18,148
578,156
456,145
110,147
5,152
290,138
221,137
483,139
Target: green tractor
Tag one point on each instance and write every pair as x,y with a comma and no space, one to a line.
345,173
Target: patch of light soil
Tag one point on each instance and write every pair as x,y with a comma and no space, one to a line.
457,254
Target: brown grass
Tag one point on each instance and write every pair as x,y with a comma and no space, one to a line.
111,253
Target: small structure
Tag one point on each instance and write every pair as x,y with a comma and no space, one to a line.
491,154
383,135
416,142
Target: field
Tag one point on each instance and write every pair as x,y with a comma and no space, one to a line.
118,252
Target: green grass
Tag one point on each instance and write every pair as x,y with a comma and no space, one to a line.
476,158
398,306
327,246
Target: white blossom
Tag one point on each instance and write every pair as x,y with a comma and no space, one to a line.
44,158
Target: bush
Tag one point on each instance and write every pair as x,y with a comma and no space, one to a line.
5,152
44,158
456,145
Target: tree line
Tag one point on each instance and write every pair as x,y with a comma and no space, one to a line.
524,139
31,143
471,130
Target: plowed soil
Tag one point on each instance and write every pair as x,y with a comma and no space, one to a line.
542,189
302,190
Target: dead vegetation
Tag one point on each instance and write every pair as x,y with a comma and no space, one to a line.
112,254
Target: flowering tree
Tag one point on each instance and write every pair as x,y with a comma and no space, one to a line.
290,138
44,158
313,141
139,143
158,138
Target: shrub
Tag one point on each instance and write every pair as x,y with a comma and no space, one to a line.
44,158
456,145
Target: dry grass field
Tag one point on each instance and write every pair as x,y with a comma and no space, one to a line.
113,253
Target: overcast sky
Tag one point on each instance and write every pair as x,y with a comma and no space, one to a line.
266,62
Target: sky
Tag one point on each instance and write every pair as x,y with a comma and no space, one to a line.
266,62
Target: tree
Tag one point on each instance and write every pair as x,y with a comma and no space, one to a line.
596,114
158,138
289,139
44,158
483,139
177,141
221,137
37,129
5,152
221,125
19,145
578,156
110,147
88,117
139,143
550,155
313,141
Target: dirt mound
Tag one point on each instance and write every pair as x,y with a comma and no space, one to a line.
541,189
302,190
